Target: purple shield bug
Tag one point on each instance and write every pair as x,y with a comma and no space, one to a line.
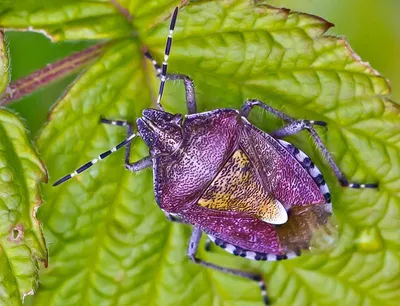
250,192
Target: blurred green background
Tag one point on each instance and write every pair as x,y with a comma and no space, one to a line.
372,28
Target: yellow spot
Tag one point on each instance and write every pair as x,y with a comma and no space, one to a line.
238,188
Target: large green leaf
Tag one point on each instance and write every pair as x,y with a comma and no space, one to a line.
66,19
21,239
75,19
110,242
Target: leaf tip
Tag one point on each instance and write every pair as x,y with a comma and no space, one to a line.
325,24
45,261
386,89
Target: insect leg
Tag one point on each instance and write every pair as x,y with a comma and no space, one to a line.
174,218
141,164
192,250
189,90
187,82
145,162
295,126
249,104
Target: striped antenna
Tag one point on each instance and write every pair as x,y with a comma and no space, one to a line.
166,55
157,67
94,161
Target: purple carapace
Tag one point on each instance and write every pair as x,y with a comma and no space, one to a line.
250,192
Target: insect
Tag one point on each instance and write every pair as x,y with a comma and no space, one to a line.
252,193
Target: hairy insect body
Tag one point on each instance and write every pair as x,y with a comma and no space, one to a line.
231,179
182,177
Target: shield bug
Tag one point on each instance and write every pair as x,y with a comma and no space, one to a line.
250,192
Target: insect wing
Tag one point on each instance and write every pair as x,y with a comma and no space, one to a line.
280,173
237,228
308,227
238,188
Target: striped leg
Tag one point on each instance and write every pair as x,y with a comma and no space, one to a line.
136,166
295,126
192,250
187,82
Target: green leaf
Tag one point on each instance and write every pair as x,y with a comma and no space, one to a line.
145,16
4,72
110,242
21,240
66,19
73,19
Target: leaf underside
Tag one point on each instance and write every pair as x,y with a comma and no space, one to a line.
109,242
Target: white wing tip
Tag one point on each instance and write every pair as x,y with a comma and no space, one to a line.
280,218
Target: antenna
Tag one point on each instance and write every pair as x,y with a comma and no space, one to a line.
166,55
163,72
94,161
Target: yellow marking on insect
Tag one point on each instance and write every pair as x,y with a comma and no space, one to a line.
237,188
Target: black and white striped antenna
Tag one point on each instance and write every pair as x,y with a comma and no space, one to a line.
166,55
94,161
163,75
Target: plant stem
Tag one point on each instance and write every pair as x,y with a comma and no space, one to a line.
122,10
49,74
